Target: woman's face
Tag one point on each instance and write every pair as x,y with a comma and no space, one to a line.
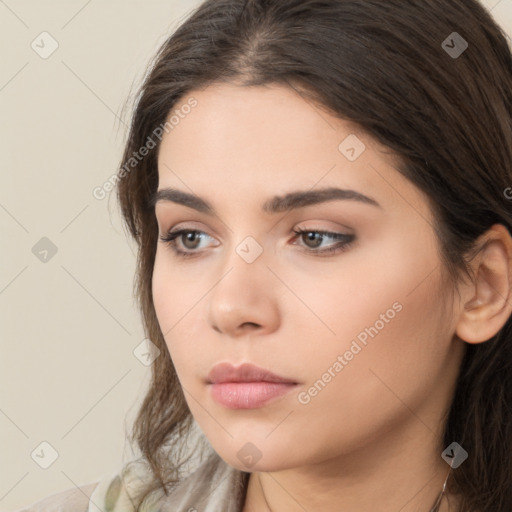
354,320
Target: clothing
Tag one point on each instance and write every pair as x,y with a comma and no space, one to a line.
72,500
213,487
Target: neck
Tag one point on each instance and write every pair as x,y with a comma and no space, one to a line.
406,476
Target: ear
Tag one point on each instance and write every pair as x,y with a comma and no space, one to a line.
487,300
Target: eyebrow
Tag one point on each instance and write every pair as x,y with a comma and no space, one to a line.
277,204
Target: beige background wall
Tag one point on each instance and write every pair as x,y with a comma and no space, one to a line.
68,323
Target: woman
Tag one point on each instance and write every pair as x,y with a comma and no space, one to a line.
320,193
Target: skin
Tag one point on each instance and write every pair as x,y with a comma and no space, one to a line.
373,433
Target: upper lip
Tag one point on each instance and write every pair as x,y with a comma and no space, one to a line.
247,372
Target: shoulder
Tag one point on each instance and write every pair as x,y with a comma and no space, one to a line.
76,499
213,486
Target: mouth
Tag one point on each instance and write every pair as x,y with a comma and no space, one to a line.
246,386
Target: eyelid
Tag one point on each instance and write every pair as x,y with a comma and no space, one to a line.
323,230
180,230
320,225
185,226
342,241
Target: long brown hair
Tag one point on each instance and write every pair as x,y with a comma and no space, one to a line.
441,101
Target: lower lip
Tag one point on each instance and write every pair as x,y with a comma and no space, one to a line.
248,395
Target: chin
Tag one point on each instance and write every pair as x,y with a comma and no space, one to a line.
252,456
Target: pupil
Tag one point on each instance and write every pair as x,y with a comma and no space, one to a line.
191,238
312,235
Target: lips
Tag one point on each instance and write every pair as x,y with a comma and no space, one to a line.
226,372
246,386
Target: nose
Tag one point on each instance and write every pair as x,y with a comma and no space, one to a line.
244,301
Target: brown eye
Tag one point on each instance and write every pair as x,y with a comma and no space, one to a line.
185,242
190,239
314,237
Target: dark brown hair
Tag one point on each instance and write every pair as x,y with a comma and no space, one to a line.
383,65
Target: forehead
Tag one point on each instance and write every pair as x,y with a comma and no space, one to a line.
253,116
272,127
241,143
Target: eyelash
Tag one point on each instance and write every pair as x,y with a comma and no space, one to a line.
343,245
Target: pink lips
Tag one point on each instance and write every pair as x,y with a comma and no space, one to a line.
246,386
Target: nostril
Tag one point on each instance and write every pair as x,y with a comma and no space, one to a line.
251,324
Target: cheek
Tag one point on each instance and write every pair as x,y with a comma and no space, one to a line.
382,297
178,297
165,297
339,299
385,381
175,291
169,299
389,333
